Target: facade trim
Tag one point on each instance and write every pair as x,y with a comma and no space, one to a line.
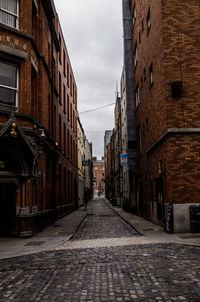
172,131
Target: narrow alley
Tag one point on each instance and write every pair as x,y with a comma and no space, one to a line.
113,269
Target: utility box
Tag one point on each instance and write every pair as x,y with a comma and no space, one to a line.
195,218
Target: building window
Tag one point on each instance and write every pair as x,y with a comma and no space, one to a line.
144,74
95,168
135,55
151,75
68,114
139,141
64,99
64,63
9,12
71,114
142,25
137,96
67,74
64,136
102,168
134,15
8,84
148,21
60,131
71,84
60,51
60,88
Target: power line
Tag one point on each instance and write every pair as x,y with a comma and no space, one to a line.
96,108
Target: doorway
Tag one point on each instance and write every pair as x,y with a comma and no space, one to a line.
7,208
159,198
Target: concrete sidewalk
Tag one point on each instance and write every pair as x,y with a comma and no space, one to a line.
58,235
152,231
49,239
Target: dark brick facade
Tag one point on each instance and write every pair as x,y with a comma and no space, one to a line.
166,49
38,131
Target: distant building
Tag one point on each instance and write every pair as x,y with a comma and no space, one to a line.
98,176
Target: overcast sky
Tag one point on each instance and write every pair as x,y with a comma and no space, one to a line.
93,34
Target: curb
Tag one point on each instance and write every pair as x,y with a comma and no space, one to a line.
107,201
79,224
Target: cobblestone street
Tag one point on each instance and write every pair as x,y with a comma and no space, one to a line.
152,272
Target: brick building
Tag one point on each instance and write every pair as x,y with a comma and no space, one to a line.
167,101
107,163
98,176
38,112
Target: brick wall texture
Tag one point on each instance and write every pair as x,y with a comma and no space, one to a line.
166,35
48,101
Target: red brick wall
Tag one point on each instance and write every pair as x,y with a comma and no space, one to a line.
171,46
98,168
55,188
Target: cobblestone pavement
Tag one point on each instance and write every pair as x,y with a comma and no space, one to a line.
113,271
135,273
103,222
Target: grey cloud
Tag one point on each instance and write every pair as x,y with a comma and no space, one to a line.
93,34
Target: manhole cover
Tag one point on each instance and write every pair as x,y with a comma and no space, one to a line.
34,243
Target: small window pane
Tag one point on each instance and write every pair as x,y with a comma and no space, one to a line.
8,12
9,5
8,75
7,96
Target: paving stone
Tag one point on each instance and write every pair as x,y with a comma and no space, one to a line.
148,273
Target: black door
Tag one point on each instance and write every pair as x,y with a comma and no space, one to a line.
7,208
160,201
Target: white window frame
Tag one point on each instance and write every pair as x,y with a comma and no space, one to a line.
12,14
137,96
148,21
11,88
135,55
151,74
134,15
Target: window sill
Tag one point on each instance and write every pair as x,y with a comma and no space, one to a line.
15,29
8,108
